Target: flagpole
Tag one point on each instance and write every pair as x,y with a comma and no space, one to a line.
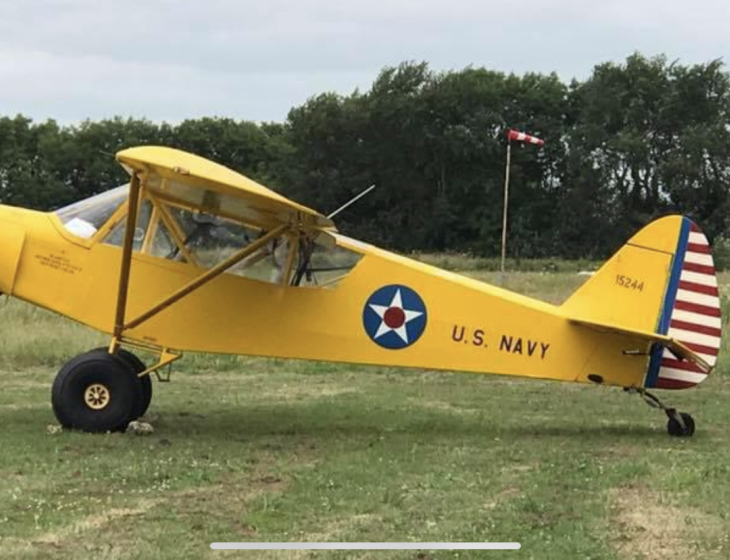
504,215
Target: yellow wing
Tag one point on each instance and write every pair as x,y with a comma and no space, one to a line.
177,176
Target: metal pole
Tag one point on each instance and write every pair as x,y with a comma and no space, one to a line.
354,199
504,215
126,255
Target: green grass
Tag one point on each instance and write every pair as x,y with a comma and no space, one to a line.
273,450
468,263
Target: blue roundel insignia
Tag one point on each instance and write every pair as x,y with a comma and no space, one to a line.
394,316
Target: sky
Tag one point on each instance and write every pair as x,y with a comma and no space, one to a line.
167,60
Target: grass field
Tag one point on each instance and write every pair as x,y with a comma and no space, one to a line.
268,450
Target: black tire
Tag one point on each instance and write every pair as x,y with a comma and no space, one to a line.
674,428
137,366
98,374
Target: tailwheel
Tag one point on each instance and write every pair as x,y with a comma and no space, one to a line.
680,424
96,392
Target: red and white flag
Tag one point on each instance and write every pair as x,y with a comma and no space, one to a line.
522,137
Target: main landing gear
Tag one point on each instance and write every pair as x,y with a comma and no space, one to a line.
101,392
680,424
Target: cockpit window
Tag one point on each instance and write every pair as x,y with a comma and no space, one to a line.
322,265
210,239
84,218
172,231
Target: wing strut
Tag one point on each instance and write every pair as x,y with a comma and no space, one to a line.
126,255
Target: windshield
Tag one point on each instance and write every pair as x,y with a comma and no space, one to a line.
85,217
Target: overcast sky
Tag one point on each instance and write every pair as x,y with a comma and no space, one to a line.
171,60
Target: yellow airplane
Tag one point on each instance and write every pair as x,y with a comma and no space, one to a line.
192,256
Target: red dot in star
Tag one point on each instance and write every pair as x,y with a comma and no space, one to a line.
394,317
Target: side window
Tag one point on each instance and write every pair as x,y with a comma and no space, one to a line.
116,235
179,234
210,240
151,236
323,265
84,218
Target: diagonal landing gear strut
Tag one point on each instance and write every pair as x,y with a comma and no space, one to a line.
680,424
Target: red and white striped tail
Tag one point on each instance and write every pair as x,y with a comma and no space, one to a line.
694,306
517,136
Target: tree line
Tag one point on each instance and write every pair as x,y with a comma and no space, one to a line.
634,141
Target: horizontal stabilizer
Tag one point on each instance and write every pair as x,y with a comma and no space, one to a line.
680,350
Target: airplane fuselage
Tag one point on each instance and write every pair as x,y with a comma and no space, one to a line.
389,310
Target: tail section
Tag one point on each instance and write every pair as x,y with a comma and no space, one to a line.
690,313
661,284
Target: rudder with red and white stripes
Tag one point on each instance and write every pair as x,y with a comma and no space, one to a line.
690,313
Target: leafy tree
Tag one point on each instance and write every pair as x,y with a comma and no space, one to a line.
636,140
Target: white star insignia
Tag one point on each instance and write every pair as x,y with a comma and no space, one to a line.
394,317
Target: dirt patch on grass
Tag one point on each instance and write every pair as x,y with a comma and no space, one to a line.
336,529
291,387
60,538
305,390
519,468
97,521
622,451
501,497
21,406
650,526
442,406
20,382
110,528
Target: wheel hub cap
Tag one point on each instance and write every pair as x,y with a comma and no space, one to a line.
97,396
